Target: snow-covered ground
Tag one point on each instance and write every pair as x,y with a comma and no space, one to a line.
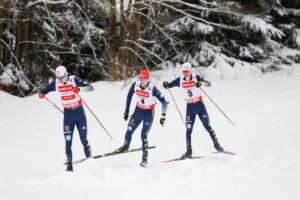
266,109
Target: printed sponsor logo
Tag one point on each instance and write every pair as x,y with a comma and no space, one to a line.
188,84
132,120
72,105
195,100
189,126
130,128
141,93
67,128
65,88
146,107
68,137
69,97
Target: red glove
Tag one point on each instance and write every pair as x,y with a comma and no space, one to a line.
41,95
76,90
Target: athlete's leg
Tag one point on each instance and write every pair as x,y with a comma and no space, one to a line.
68,133
203,115
190,120
147,123
81,124
133,123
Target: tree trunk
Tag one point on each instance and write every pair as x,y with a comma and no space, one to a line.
122,52
135,34
25,33
112,44
18,37
1,31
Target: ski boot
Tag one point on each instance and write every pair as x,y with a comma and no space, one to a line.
144,160
188,153
218,146
122,149
69,166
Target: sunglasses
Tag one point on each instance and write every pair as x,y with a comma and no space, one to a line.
142,79
60,78
185,71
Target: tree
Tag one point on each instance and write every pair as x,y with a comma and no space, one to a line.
114,39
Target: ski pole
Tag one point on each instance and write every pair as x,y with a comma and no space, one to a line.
95,116
54,105
218,107
176,106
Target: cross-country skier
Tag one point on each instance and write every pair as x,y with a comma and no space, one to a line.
146,94
68,88
190,85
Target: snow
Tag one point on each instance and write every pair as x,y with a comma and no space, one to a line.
12,75
188,24
260,25
297,31
265,108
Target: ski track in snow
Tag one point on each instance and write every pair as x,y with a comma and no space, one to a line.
265,108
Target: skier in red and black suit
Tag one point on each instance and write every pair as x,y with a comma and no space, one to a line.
146,94
68,87
195,106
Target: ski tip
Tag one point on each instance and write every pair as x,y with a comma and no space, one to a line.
226,152
231,153
166,161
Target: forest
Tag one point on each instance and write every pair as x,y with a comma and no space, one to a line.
113,39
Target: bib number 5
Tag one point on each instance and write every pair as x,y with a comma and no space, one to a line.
190,93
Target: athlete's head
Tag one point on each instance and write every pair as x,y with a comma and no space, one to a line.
60,73
186,69
144,77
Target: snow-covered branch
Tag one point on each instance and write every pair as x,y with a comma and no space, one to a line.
30,3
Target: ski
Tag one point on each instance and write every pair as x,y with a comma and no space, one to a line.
179,159
226,152
112,154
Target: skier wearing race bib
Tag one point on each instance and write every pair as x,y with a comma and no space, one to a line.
190,84
146,94
68,88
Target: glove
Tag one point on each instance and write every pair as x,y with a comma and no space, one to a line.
41,95
125,116
162,120
76,90
198,84
165,84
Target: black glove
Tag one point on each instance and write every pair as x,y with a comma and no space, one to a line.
198,84
125,116
165,84
162,120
